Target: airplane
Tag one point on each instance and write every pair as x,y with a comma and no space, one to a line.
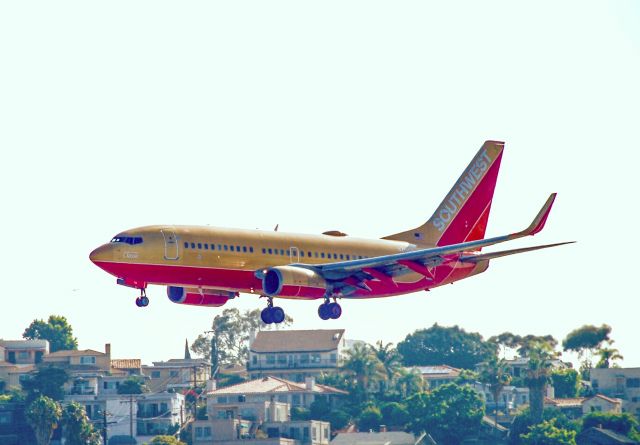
208,266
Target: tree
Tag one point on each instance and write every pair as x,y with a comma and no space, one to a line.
47,382
232,330
395,414
43,414
166,440
449,413
547,433
370,419
538,376
362,364
133,385
523,421
440,345
529,342
77,428
390,359
585,341
495,374
506,341
57,331
566,382
409,382
607,355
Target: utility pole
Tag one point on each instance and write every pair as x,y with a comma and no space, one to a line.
130,402
104,426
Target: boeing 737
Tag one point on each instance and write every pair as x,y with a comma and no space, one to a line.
207,266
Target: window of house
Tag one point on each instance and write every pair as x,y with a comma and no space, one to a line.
334,358
295,400
282,398
305,432
304,358
88,360
206,431
314,435
282,359
633,383
198,431
173,373
254,359
315,358
326,432
271,359
23,355
222,399
155,374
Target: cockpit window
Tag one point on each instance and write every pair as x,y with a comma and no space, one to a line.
127,239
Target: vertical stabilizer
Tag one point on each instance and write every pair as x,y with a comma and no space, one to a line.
464,212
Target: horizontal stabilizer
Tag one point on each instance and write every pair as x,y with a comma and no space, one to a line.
492,255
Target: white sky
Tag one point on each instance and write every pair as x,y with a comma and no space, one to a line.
355,115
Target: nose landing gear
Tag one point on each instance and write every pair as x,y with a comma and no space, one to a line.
272,314
142,300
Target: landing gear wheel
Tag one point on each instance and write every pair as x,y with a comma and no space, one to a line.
277,314
139,302
144,301
323,311
335,311
267,315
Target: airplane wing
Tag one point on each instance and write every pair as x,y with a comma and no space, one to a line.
355,273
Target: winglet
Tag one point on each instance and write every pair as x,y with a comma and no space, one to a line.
541,218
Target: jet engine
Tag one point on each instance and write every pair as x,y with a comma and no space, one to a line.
275,278
199,297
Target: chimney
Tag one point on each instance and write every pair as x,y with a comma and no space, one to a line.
310,383
107,350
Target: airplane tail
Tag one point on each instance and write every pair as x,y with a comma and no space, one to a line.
463,214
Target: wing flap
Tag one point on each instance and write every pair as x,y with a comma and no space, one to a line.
492,255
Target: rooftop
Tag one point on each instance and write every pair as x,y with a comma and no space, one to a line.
565,403
273,385
134,363
438,371
388,438
25,344
73,353
297,341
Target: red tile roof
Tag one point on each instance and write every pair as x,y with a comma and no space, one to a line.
608,399
134,363
297,341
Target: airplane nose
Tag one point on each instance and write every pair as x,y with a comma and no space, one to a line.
97,254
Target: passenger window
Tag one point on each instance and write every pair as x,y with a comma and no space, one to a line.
213,247
193,245
199,245
315,254
186,245
226,247
348,257
270,251
206,246
281,251
219,246
341,256
301,253
264,250
244,248
322,254
237,248
231,247
335,256
250,249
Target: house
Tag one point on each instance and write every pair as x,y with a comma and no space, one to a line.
601,403
295,355
23,352
80,360
158,414
178,374
260,410
435,376
600,436
621,383
518,366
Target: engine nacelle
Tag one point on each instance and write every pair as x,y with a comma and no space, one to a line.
303,282
199,297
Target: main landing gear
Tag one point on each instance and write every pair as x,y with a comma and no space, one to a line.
142,300
329,310
272,314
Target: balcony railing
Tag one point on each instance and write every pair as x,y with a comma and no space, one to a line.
263,364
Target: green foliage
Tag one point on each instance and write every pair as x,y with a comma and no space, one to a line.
369,420
566,382
77,429
587,337
623,423
13,395
362,364
43,414
467,377
133,385
440,345
395,414
523,421
166,440
56,330
225,380
47,382
300,413
232,329
538,376
608,355
338,419
321,409
547,433
449,413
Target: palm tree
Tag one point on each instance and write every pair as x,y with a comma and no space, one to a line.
495,374
43,414
538,375
607,355
361,362
390,359
409,382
